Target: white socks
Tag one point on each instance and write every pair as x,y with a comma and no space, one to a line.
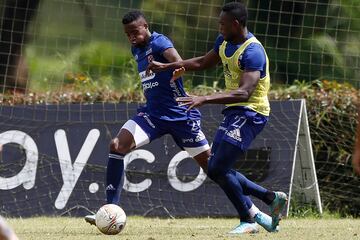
253,211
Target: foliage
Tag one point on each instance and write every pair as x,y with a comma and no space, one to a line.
319,41
304,40
96,68
332,113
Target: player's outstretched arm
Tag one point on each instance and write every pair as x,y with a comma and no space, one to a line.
194,64
356,156
247,86
172,55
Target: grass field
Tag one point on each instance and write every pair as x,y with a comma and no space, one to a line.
189,228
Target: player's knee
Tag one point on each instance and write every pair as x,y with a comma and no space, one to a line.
118,147
202,159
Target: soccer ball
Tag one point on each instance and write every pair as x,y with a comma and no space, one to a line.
110,219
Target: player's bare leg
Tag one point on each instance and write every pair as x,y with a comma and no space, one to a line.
123,142
202,159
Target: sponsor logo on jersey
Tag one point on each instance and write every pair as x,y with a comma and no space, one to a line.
149,85
145,77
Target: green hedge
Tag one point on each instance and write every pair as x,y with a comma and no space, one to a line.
332,113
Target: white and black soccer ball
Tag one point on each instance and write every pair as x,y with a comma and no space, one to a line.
110,219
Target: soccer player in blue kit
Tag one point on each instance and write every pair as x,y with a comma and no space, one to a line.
161,115
247,81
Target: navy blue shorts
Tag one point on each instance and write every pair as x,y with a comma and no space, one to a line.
240,127
187,134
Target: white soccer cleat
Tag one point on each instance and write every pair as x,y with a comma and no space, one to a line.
266,222
90,219
245,228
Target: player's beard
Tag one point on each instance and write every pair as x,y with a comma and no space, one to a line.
229,37
140,45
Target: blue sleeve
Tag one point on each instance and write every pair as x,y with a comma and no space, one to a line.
253,58
161,44
219,40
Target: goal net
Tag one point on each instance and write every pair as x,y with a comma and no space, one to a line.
59,52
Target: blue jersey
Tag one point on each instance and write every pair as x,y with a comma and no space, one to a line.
253,58
160,92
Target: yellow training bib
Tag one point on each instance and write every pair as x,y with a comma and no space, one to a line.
258,101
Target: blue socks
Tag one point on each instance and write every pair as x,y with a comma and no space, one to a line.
249,187
114,177
236,186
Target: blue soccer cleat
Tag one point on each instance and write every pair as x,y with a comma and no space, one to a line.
277,206
245,228
266,222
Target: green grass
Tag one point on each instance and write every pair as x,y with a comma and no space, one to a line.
188,228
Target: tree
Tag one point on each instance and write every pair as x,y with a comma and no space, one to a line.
13,37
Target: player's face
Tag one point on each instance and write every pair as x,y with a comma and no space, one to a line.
228,27
137,32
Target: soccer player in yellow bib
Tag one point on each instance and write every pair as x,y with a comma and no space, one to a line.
247,81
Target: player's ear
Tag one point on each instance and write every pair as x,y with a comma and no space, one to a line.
146,25
236,23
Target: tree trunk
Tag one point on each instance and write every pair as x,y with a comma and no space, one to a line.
13,67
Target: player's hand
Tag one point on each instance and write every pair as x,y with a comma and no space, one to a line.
155,66
191,102
178,73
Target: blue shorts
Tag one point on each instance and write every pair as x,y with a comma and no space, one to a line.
187,134
240,127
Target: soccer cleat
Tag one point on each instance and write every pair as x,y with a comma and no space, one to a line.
277,206
266,222
90,219
245,228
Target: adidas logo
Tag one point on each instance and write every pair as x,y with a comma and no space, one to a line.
235,134
110,188
200,137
